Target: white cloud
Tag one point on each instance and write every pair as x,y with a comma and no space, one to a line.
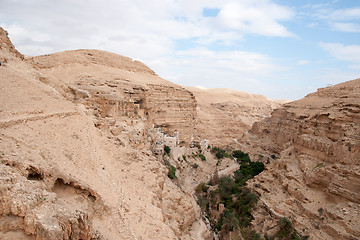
303,62
231,69
345,27
344,20
330,76
239,61
153,32
350,53
259,17
67,24
345,14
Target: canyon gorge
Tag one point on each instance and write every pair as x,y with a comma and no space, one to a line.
82,136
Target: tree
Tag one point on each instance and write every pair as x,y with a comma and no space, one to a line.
167,149
171,173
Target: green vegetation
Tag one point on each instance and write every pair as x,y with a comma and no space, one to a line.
171,173
232,194
167,149
249,234
319,165
241,157
237,201
202,187
202,157
286,231
184,158
195,165
248,171
219,153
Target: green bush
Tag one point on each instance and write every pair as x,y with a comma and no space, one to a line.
241,156
219,153
237,199
287,231
202,187
195,165
248,171
171,173
230,220
250,234
167,149
227,187
202,157
203,202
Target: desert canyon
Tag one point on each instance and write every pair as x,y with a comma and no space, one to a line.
83,137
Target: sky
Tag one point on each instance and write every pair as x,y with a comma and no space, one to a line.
278,48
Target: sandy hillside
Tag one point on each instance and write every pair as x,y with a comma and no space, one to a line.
75,159
224,114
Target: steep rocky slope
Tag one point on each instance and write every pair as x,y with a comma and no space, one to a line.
75,159
224,114
314,178
116,86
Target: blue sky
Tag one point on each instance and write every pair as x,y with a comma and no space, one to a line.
281,49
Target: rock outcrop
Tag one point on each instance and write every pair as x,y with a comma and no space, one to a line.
314,178
7,45
113,86
224,114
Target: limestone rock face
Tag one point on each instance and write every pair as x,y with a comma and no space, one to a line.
315,176
223,114
115,86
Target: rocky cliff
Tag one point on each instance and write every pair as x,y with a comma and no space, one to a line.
74,157
115,86
314,174
224,114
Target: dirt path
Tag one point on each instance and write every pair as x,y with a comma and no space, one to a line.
10,122
229,169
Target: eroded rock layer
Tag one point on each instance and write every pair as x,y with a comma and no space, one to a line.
116,86
315,177
224,114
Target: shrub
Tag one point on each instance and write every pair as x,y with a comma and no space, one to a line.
195,165
226,187
241,156
229,220
202,157
219,153
250,234
171,173
287,230
250,170
257,167
203,202
202,187
167,149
